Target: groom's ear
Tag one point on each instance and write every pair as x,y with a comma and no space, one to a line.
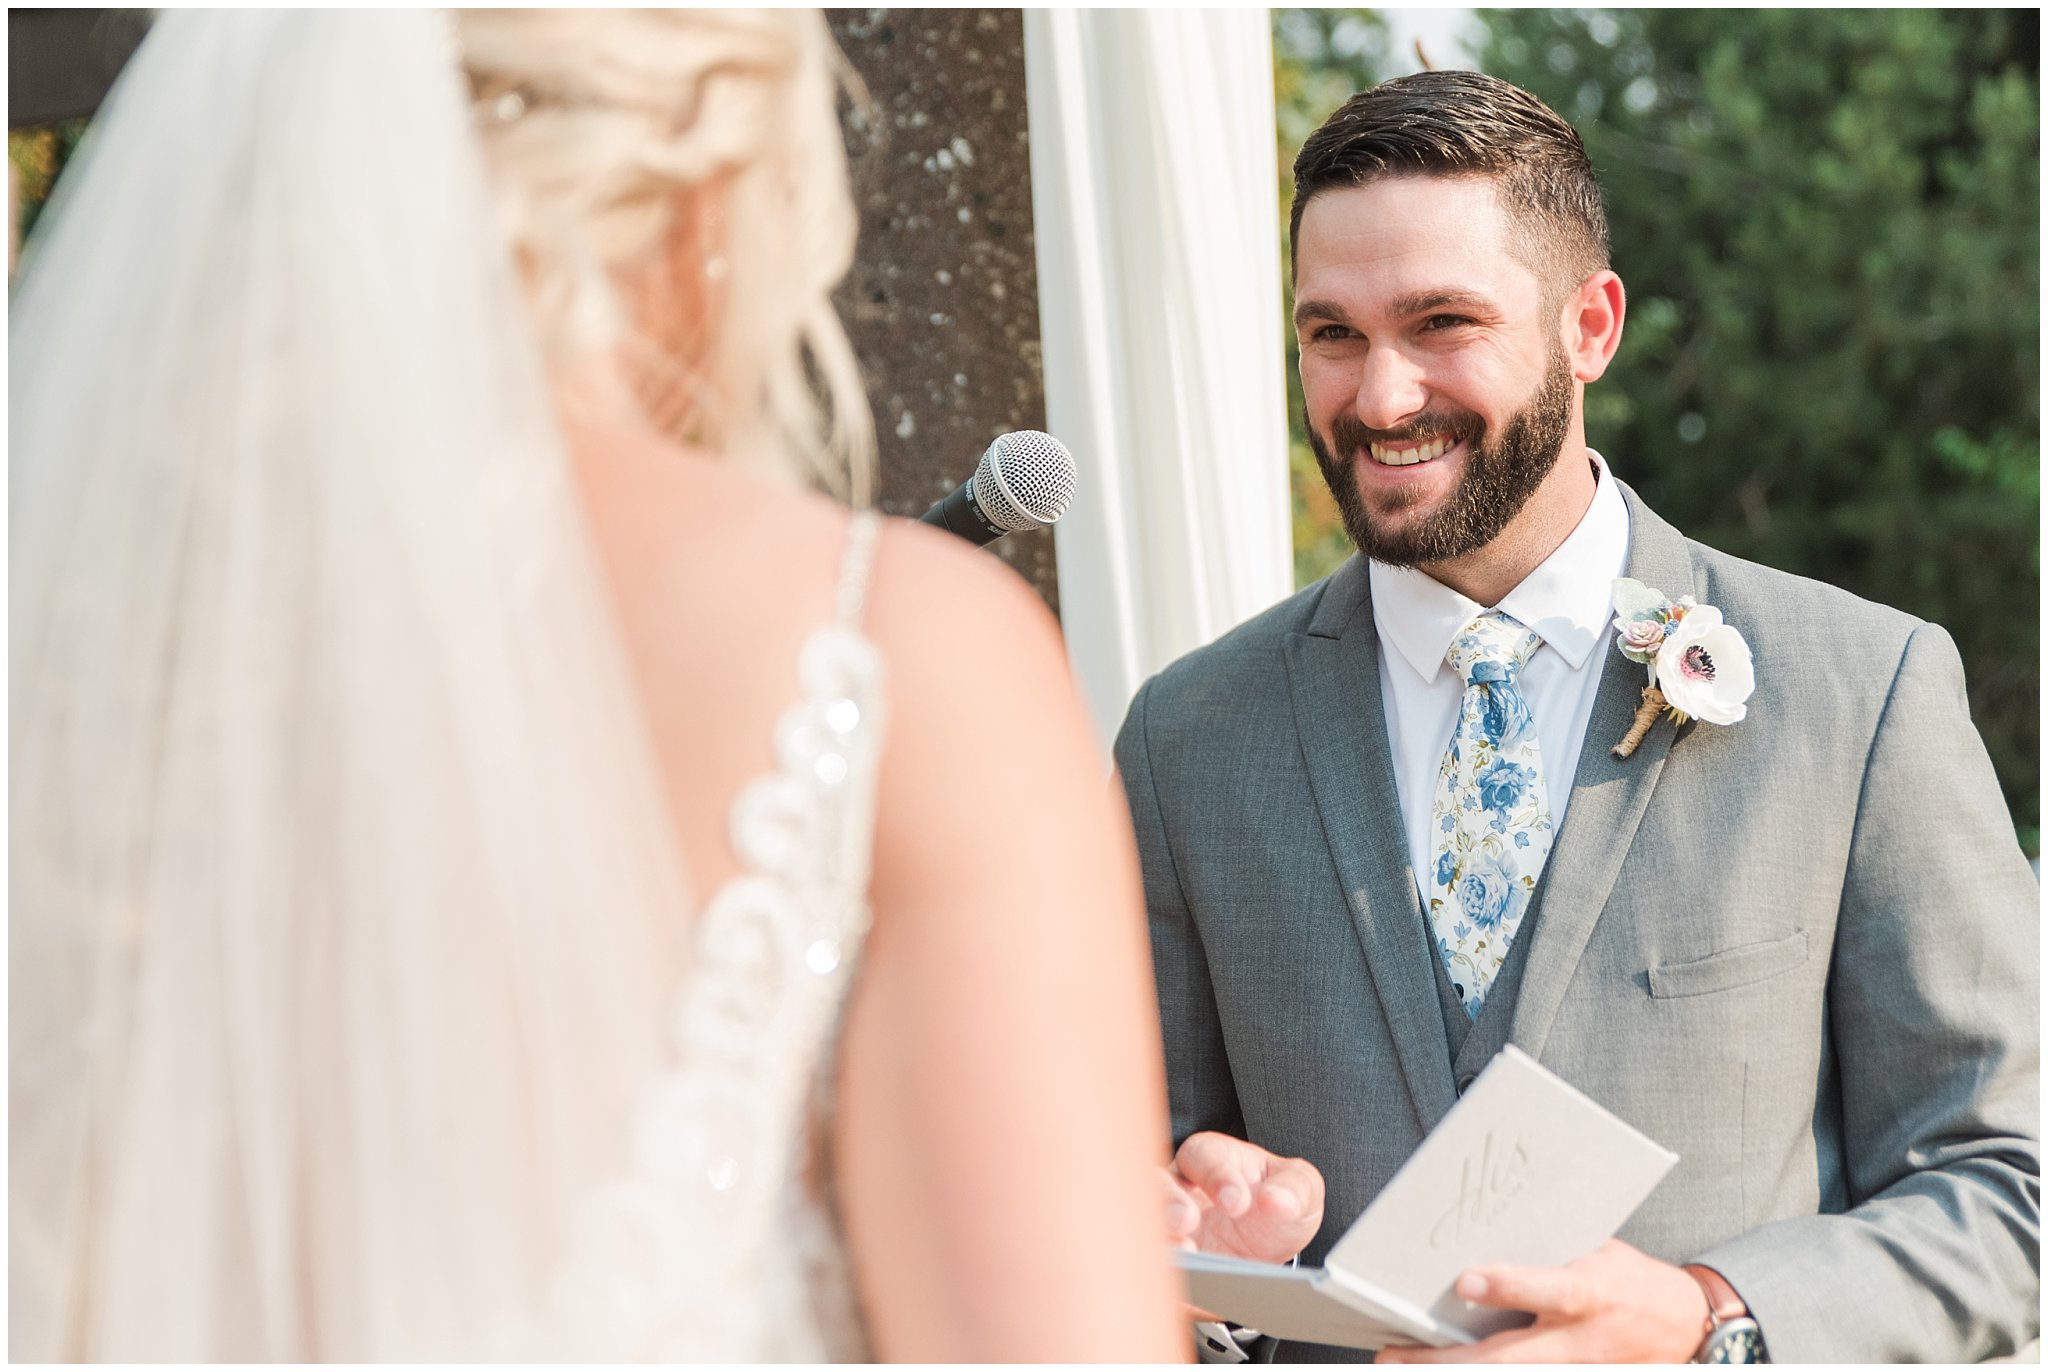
1592,324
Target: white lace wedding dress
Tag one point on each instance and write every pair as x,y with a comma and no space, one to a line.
724,1243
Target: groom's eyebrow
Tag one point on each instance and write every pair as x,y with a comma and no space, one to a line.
1306,310
1447,298
1402,306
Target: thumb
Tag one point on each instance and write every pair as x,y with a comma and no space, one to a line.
1281,1201
1227,1169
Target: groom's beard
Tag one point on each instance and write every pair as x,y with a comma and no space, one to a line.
1497,482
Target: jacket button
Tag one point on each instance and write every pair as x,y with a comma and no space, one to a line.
1465,1082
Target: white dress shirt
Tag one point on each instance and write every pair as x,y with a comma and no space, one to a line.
1567,600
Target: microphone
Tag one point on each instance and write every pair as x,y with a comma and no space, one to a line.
1024,481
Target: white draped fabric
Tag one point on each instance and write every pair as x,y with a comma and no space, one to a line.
1153,184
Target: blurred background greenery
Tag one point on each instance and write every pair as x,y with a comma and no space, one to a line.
36,155
1828,224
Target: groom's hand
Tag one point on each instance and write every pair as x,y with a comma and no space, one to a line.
1225,1195
1616,1304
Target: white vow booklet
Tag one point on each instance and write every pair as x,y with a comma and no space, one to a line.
1524,1170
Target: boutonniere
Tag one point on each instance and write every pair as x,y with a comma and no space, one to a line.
1699,666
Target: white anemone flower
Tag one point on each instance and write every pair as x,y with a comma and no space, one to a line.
1704,668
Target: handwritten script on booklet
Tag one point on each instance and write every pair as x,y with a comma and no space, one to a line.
1523,1170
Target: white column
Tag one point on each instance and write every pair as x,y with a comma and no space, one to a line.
1154,205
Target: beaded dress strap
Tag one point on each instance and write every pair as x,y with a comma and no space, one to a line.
855,566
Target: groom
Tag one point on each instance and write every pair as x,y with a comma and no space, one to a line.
1384,833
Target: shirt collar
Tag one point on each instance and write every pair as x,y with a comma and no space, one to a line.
1566,600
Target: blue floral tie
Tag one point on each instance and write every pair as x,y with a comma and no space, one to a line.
1491,816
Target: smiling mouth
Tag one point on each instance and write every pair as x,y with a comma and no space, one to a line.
1410,454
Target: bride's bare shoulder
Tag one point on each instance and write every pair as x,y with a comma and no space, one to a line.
965,640
756,552
944,613
943,608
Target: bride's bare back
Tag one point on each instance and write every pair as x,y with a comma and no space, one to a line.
1000,1091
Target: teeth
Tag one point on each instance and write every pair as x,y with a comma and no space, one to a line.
1388,456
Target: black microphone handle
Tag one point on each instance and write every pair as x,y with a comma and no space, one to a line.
959,514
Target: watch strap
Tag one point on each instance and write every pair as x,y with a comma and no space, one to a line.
1723,1303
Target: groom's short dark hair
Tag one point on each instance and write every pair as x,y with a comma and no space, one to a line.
1467,124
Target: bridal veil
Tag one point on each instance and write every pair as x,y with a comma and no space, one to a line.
343,899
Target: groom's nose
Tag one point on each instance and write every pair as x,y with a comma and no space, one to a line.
1391,389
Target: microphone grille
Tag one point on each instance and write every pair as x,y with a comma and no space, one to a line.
1025,480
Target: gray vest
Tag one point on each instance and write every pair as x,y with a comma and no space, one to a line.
1474,1042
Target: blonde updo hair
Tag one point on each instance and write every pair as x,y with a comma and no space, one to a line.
675,186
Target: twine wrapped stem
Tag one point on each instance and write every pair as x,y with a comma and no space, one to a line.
1646,715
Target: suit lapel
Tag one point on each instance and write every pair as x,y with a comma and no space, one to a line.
1609,795
1333,676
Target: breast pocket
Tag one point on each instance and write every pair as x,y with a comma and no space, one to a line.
1753,962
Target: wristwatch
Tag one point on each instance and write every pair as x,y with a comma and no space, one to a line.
1732,1336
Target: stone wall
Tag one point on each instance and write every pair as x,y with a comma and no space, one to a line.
942,302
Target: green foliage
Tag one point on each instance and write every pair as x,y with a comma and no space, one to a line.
1828,224
37,154
1320,57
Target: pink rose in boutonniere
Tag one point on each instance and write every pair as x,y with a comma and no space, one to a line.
1700,667
1641,638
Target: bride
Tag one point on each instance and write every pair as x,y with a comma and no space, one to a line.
498,870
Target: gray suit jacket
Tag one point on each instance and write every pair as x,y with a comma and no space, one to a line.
1801,951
